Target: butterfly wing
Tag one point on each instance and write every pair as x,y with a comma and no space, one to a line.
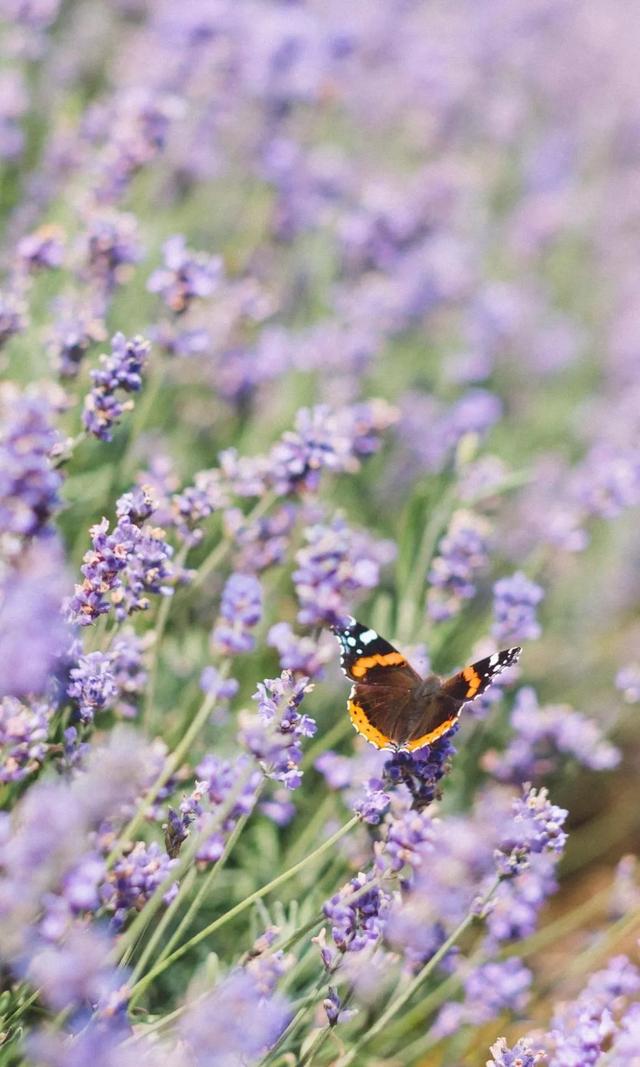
370,660
442,708
384,684
474,679
378,712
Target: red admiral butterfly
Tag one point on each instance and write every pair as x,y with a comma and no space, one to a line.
391,705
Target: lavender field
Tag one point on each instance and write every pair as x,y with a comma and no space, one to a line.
310,311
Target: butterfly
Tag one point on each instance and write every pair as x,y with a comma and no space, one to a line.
391,705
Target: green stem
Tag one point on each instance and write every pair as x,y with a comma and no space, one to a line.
194,907
399,1002
410,610
217,554
142,984
163,924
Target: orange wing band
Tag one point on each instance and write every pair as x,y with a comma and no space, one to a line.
428,739
389,659
473,678
363,726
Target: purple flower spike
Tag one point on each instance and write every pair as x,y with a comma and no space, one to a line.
462,555
33,633
29,485
23,736
357,914
336,563
514,609
122,370
535,828
240,611
93,685
186,275
521,1054
42,250
274,736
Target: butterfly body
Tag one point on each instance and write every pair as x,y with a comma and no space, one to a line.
391,705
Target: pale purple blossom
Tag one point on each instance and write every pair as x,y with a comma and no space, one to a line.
29,484
462,554
121,371
23,737
185,275
514,609
334,565
240,612
274,735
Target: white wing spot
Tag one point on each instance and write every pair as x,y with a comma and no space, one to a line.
368,636
351,641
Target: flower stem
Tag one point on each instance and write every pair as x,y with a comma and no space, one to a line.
142,984
218,553
399,1002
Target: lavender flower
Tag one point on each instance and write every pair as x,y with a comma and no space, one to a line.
126,660
123,567
76,973
420,771
33,633
29,486
264,542
214,1027
489,990
581,1030
628,682
122,370
409,837
542,735
514,609
23,737
336,563
111,248
536,827
74,331
521,1054
217,780
357,914
462,554
303,655
372,804
186,275
93,685
274,736
42,250
134,879
40,857
240,610
326,439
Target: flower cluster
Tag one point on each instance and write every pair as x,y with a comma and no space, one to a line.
119,371
336,563
123,566
543,735
240,611
134,878
536,827
223,792
357,914
514,609
462,554
185,276
29,485
23,737
274,736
